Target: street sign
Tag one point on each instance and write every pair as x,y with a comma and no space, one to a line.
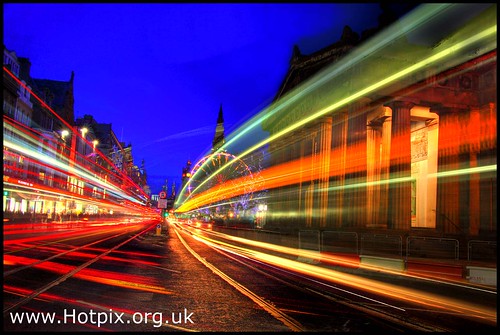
163,195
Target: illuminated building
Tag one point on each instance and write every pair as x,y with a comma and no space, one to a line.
16,97
53,164
32,114
416,153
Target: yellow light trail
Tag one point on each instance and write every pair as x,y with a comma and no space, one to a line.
288,173
413,296
480,35
314,255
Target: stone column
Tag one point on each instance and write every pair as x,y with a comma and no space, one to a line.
448,186
337,168
400,166
325,137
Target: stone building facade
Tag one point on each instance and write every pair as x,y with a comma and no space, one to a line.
375,142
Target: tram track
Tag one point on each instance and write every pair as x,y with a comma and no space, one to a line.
275,312
10,272
390,320
380,313
37,292
144,277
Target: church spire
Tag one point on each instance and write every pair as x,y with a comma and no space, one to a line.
219,132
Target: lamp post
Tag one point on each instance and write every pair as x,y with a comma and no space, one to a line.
75,146
84,131
94,145
64,133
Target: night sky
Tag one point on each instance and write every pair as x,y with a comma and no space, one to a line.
159,72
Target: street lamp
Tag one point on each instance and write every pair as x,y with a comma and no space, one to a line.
64,133
94,144
84,130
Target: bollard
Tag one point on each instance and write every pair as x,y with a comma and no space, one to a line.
158,229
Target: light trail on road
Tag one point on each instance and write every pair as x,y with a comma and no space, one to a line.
425,300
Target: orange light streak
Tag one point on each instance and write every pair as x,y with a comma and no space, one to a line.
130,281
126,257
285,174
448,59
68,234
357,282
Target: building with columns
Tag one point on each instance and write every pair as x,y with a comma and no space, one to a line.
416,153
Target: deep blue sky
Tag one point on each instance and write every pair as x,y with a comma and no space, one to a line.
159,72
